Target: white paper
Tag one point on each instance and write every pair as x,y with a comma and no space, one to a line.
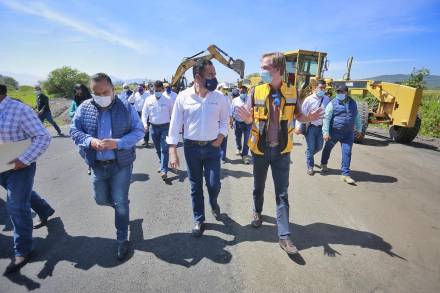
10,151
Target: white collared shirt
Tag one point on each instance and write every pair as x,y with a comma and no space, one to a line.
237,102
138,100
203,119
172,96
158,110
311,103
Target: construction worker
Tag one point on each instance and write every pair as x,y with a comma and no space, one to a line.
157,111
313,130
242,130
106,130
43,109
274,109
204,114
341,117
138,98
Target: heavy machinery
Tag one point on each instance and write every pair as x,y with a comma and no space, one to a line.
212,52
392,104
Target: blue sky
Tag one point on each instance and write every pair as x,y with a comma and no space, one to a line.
148,39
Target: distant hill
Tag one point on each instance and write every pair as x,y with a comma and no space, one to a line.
432,81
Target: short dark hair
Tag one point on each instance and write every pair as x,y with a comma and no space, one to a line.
3,89
100,77
321,81
158,83
243,87
199,67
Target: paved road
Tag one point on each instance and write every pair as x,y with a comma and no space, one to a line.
382,235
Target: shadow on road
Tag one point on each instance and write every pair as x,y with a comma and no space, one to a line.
362,176
382,140
4,219
139,177
181,248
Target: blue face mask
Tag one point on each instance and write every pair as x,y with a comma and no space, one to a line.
320,93
340,97
157,94
266,76
243,97
211,84
168,90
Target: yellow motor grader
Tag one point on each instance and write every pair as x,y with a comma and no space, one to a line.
396,105
212,52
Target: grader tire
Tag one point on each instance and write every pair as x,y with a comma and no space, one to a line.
405,134
363,114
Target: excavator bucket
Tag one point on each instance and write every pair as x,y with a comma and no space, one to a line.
238,66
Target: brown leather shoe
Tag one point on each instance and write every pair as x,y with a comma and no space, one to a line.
43,222
288,247
257,220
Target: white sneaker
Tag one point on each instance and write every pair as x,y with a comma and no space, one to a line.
246,160
347,179
310,171
238,152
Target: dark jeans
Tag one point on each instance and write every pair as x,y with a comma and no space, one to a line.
20,200
202,161
159,134
111,184
346,139
314,144
48,116
147,133
223,148
242,130
280,165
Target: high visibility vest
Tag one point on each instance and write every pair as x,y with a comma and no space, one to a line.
257,140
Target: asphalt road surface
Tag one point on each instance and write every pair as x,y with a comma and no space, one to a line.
382,235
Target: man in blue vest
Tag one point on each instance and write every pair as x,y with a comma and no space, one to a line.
106,129
341,119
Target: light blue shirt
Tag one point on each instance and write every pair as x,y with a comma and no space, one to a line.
328,117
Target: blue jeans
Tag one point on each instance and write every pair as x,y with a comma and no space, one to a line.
346,139
223,148
242,130
110,185
314,144
202,161
159,134
280,165
20,199
48,116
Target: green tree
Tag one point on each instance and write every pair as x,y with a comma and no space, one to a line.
61,81
10,82
416,78
252,75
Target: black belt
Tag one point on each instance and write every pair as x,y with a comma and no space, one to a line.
198,142
160,125
105,162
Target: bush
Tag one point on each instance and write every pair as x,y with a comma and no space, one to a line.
430,113
61,81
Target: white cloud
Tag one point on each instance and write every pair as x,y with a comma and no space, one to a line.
42,10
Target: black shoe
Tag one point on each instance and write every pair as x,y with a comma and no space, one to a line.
13,267
43,222
122,250
89,171
197,230
61,134
216,212
257,220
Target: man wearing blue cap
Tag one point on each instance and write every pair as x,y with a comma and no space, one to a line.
340,119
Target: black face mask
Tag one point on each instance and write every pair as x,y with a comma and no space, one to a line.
211,84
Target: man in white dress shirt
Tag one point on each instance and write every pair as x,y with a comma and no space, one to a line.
137,99
203,112
242,130
169,93
157,111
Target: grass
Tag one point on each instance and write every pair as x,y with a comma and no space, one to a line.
25,94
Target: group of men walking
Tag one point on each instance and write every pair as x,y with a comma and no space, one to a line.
107,127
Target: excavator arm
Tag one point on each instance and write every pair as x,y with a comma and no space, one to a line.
213,52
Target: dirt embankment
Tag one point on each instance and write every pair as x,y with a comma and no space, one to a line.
60,108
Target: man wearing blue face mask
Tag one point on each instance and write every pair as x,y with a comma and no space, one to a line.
106,130
169,93
313,129
157,111
340,120
242,129
203,113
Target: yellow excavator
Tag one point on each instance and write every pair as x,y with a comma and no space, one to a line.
395,105
179,82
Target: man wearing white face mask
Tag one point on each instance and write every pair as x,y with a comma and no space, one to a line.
341,117
138,98
106,130
313,130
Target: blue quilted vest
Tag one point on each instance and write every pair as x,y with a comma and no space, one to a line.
121,125
343,115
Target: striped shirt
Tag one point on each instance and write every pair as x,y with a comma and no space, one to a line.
19,122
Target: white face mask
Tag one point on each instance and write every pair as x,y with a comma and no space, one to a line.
37,92
102,101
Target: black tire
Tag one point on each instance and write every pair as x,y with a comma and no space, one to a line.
402,134
363,114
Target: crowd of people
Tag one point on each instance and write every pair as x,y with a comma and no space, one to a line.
106,126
